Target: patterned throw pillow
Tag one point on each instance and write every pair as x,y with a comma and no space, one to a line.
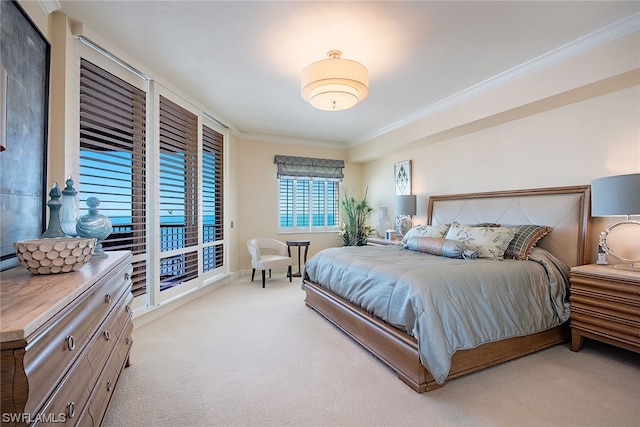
526,237
440,246
425,231
488,242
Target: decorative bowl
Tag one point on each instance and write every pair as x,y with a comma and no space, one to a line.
56,255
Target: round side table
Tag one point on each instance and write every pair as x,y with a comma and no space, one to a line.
299,244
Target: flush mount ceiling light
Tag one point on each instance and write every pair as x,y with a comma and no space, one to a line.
335,84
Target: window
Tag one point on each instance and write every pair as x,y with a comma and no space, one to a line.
308,194
113,160
212,199
307,206
178,194
165,197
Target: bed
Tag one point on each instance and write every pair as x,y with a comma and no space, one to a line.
371,295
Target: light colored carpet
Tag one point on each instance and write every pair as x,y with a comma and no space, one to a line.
246,356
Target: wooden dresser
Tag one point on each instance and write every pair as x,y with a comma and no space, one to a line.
65,339
605,306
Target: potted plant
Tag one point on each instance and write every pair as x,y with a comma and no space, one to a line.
355,230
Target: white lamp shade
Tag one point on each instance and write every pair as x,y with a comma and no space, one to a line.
334,84
406,204
616,195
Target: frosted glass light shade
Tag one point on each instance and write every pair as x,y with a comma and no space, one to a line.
334,84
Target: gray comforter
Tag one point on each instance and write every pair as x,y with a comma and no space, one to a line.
447,304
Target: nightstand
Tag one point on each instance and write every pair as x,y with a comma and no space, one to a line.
605,306
379,241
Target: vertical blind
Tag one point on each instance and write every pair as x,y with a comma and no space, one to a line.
113,160
178,193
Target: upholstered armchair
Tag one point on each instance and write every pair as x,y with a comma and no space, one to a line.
266,254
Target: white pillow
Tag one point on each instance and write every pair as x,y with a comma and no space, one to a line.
425,231
490,242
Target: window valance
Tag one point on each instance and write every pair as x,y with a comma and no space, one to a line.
290,167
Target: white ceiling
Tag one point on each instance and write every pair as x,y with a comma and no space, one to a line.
242,59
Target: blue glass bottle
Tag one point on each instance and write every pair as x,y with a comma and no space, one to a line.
95,225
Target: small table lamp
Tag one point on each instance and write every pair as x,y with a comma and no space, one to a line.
405,207
617,195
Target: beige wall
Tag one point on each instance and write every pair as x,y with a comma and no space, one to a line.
563,125
551,131
256,193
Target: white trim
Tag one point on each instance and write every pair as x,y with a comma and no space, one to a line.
49,6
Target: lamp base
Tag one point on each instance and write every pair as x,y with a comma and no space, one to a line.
603,243
626,267
403,224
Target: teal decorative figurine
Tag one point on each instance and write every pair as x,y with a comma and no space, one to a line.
54,229
70,209
95,225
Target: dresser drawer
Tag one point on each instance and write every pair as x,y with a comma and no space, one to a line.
69,400
615,311
56,347
605,327
108,335
626,293
124,345
49,325
107,381
605,306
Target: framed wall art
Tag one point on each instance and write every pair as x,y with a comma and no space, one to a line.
24,55
3,108
403,177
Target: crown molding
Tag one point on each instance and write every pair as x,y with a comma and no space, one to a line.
583,44
275,139
49,6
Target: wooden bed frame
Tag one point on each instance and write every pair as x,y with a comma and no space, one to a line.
565,209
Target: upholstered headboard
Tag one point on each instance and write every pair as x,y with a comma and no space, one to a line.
565,209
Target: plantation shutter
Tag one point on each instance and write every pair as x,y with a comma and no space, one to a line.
286,204
308,192
113,160
302,203
178,178
212,198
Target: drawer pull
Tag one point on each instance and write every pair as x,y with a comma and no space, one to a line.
129,341
126,276
107,299
128,309
71,342
107,335
71,409
109,386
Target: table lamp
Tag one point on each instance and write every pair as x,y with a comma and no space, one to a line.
405,207
617,195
